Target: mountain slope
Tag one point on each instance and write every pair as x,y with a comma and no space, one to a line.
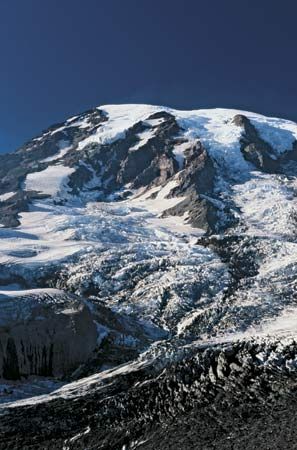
173,230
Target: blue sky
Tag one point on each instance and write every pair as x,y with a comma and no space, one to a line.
61,57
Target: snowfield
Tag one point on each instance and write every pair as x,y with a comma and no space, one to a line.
51,181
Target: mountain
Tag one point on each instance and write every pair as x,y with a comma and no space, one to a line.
148,282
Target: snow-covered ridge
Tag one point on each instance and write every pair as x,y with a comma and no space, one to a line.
212,126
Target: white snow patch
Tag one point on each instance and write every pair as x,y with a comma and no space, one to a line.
120,119
64,148
160,202
51,181
79,435
165,191
179,152
6,196
143,137
82,123
284,324
28,292
154,122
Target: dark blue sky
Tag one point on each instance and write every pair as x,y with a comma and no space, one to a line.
60,57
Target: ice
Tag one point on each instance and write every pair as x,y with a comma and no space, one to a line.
266,204
11,391
215,126
122,236
42,238
283,327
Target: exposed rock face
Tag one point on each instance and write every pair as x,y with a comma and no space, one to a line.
50,333
196,181
255,149
44,339
193,402
202,213
153,161
10,208
258,151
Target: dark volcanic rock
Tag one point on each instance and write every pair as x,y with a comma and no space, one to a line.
196,182
254,148
52,333
214,398
46,339
201,212
10,208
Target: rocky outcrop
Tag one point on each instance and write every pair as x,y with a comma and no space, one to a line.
39,337
195,185
198,173
254,148
259,152
10,208
197,399
51,333
201,213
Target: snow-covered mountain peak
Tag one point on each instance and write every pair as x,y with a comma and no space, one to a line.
156,224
